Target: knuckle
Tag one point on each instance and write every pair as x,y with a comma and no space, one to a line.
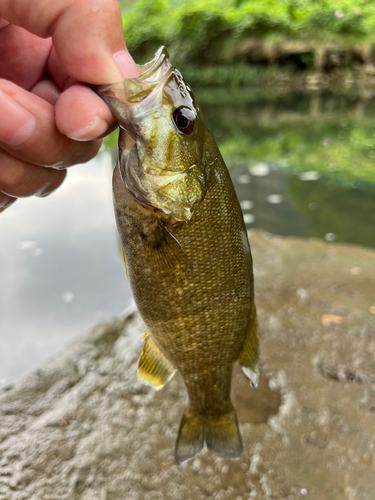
10,178
77,152
19,179
50,187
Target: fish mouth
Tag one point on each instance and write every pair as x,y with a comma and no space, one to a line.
152,181
125,98
148,70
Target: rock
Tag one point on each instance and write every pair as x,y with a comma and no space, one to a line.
83,426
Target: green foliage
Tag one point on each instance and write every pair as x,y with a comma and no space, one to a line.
255,18
146,28
110,142
199,35
197,30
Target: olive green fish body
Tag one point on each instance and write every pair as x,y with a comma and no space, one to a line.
187,254
196,303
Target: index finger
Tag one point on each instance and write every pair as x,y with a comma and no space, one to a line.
87,35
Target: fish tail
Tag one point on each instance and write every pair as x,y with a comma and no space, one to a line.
221,435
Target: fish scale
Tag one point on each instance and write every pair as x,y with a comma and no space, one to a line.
187,254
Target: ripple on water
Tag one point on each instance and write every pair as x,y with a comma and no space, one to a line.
244,179
275,198
246,204
27,245
309,176
249,218
330,237
68,297
260,170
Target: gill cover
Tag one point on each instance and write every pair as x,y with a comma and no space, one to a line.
161,139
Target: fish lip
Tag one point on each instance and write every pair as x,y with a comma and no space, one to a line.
122,96
147,70
133,135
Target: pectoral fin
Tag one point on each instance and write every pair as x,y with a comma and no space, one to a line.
248,358
154,368
168,254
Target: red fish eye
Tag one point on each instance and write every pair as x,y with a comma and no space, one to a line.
183,121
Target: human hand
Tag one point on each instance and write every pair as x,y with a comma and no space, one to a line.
49,119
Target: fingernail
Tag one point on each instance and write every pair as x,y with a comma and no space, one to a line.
95,129
126,65
16,124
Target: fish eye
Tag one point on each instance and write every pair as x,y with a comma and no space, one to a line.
184,120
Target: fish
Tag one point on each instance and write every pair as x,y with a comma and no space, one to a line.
186,252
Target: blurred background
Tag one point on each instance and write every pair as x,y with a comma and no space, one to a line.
287,88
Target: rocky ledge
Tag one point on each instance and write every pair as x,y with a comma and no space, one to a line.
83,427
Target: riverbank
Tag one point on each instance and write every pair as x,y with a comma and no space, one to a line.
358,82
303,45
83,427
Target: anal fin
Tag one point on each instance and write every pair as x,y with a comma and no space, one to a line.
154,368
248,358
124,261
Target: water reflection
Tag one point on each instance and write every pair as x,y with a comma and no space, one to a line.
61,270
321,133
283,203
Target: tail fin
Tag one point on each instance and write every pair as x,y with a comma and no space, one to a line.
220,434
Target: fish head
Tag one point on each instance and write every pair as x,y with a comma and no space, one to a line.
162,137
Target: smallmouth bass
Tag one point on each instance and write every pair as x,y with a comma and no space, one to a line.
186,252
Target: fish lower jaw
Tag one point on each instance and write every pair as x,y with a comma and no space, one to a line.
131,199
156,200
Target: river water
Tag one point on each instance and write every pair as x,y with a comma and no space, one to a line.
60,264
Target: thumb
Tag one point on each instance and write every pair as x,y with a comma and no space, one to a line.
87,35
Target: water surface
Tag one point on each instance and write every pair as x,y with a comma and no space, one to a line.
60,265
